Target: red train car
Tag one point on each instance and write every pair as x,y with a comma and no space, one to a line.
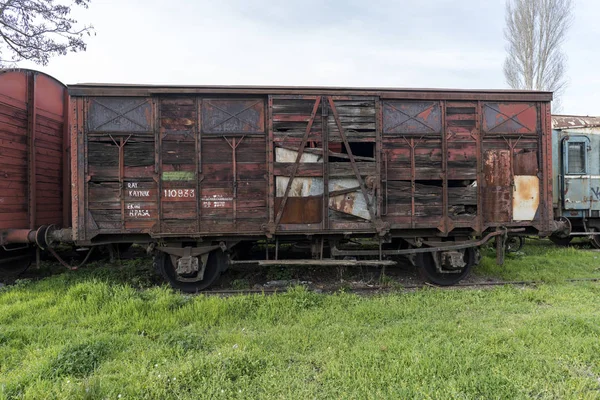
206,173
34,161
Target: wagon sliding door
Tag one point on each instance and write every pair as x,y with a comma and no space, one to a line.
213,164
324,155
120,172
512,155
415,186
430,164
233,165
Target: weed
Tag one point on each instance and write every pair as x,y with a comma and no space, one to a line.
277,273
79,360
240,284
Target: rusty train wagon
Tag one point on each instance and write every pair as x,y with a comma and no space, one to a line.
34,163
206,173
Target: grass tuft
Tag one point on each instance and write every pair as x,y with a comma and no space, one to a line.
79,360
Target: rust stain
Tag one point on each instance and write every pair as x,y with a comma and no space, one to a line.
497,167
426,113
526,197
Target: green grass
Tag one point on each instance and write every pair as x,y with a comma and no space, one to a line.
541,260
95,334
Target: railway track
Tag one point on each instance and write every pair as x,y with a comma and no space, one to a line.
385,289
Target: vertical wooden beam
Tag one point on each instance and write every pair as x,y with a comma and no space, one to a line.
31,135
157,167
480,178
444,137
74,179
270,167
159,137
378,155
546,164
413,173
198,163
325,146
82,164
66,163
122,180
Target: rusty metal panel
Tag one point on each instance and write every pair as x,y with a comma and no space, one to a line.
119,114
497,190
526,162
526,197
412,117
233,116
510,118
301,210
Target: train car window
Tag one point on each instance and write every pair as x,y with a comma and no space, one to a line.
231,116
576,157
412,117
574,154
120,114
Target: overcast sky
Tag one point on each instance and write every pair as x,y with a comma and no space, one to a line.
425,43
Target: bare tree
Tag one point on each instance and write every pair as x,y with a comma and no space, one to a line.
535,31
39,29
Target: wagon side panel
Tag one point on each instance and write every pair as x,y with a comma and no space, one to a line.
32,147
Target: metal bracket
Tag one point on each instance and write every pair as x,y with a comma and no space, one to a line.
183,251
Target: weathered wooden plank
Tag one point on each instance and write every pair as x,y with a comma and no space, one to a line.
139,226
217,150
178,153
13,145
336,169
137,154
421,173
224,172
105,205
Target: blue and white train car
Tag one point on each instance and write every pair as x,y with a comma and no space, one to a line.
576,176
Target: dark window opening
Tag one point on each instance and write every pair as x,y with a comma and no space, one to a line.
462,198
362,151
576,158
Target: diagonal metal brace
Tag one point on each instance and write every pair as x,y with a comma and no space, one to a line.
361,182
297,163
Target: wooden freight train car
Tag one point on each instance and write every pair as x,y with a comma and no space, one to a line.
34,163
205,173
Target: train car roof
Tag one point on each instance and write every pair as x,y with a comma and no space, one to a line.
574,121
113,89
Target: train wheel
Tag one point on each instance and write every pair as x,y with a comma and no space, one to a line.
14,263
514,243
560,241
215,264
428,271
